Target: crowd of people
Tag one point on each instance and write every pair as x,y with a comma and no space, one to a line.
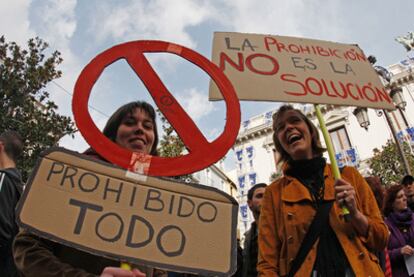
299,227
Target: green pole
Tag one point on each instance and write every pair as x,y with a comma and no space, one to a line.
328,142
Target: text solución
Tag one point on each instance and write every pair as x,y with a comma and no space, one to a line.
303,68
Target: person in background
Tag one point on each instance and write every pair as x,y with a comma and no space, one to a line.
11,187
400,222
408,182
307,188
132,126
376,186
250,251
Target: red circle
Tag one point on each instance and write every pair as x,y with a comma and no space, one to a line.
201,153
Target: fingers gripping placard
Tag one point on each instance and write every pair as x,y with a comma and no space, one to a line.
201,152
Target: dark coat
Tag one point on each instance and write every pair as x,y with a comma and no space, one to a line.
396,241
250,252
11,187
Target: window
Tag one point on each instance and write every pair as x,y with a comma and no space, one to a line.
340,139
249,152
239,155
243,212
252,178
242,182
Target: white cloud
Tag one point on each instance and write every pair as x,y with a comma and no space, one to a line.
14,21
149,20
289,18
171,20
55,20
267,16
196,104
159,19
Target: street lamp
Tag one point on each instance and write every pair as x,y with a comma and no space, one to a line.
362,117
398,98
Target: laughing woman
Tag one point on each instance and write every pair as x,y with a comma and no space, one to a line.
307,189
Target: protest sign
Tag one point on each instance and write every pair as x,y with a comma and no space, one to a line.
289,69
202,153
96,207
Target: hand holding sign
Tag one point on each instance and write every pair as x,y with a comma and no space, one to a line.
202,153
119,272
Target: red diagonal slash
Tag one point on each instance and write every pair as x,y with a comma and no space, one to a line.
201,152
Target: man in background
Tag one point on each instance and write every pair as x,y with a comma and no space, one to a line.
11,187
408,184
250,252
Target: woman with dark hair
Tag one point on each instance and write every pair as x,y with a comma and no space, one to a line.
128,115
400,222
307,191
132,126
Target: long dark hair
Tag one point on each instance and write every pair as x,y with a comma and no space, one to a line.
112,125
390,197
316,142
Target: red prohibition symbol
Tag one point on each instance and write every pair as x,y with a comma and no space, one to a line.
202,153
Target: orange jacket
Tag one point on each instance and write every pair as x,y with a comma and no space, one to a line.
285,218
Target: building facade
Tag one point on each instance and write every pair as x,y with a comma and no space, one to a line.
214,176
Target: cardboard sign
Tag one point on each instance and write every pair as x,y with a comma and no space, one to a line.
95,207
288,69
202,153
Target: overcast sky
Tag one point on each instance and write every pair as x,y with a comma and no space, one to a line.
82,29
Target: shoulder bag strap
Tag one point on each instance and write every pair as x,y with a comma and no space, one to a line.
311,236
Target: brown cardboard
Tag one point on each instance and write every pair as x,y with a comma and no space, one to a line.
289,69
94,206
